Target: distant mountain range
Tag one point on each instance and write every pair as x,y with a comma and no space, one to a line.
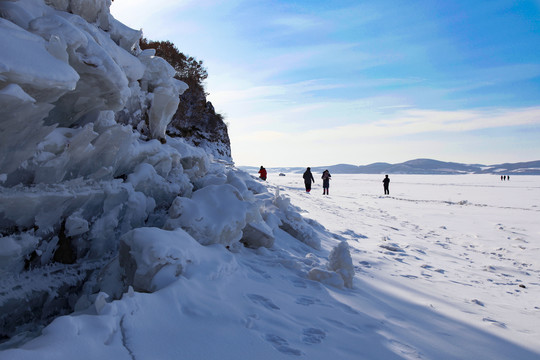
417,166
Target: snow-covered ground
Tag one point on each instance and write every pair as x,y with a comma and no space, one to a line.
446,267
455,257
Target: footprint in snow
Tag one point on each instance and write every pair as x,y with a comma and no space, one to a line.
477,302
353,234
313,336
342,325
495,322
410,276
306,300
260,272
261,300
392,247
282,345
299,283
250,321
443,245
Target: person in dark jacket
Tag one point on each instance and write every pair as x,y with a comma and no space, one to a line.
386,183
262,173
325,181
308,179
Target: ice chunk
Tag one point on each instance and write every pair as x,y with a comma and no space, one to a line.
215,214
14,249
340,261
300,230
100,302
147,252
145,179
25,61
89,9
326,277
124,36
257,234
16,93
165,90
18,143
340,268
76,225
60,27
61,5
164,106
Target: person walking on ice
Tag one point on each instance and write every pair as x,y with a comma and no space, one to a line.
325,181
308,179
262,173
386,184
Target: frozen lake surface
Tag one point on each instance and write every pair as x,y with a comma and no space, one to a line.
446,267
466,246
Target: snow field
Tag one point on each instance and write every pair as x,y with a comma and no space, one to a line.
435,278
465,246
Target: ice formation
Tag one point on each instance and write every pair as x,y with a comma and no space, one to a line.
86,166
340,269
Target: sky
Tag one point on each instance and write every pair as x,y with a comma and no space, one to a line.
314,83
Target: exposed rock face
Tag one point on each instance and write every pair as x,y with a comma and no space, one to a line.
197,121
194,117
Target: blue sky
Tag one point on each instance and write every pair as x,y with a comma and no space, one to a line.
309,83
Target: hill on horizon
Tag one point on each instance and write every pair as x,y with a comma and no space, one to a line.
417,166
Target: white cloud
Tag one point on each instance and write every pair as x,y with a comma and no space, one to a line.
296,23
251,93
422,121
391,140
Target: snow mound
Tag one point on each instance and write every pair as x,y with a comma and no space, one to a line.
340,267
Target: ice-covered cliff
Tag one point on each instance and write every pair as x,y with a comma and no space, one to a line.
86,164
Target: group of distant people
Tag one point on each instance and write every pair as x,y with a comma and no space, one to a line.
308,180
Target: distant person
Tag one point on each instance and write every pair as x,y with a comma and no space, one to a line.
508,177
386,184
262,173
308,179
502,178
325,181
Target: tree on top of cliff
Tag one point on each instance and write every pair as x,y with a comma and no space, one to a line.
195,119
188,69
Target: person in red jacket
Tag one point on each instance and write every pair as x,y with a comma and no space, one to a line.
262,173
